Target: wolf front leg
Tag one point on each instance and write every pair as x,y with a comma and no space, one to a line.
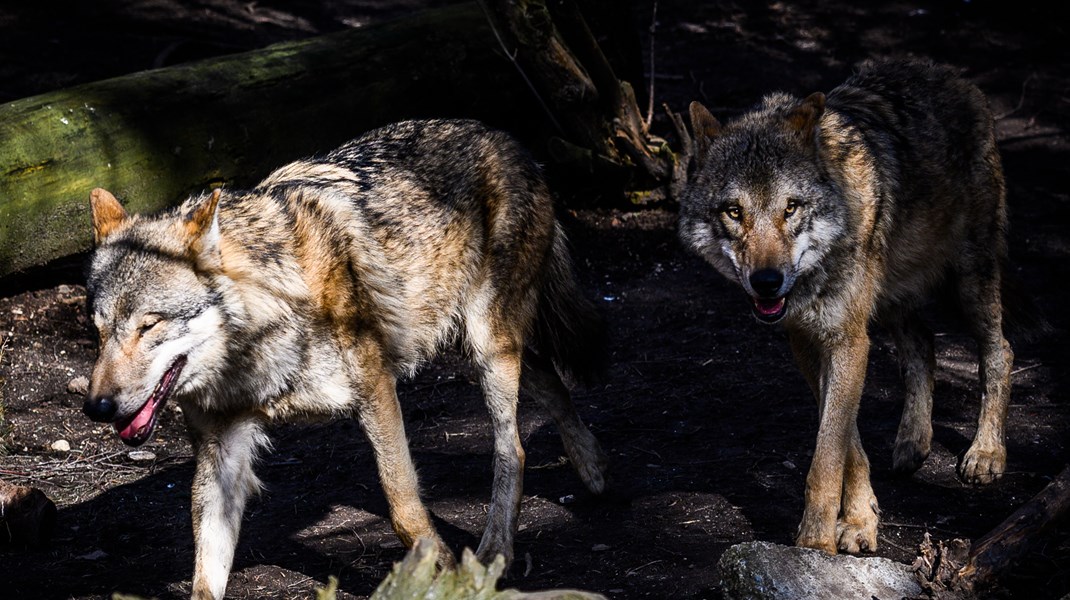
225,451
380,417
856,527
839,466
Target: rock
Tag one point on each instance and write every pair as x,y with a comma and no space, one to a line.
141,455
766,571
61,446
27,516
78,386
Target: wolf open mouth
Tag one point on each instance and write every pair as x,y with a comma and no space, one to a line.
138,428
770,310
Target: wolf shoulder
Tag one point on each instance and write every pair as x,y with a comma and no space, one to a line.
925,105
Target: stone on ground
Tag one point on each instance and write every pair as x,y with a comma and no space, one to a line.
766,571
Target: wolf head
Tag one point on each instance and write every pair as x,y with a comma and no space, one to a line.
156,313
760,206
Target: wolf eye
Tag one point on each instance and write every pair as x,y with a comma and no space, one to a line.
147,323
734,212
791,207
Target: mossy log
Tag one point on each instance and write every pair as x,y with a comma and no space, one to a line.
153,137
417,578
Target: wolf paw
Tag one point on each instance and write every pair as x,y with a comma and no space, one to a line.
590,464
855,538
446,560
491,547
810,538
908,456
487,557
982,466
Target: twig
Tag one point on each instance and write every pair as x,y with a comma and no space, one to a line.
1026,368
894,545
3,345
650,452
653,73
631,572
920,527
512,57
1021,99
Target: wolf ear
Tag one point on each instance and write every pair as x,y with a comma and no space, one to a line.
805,117
107,213
703,126
201,225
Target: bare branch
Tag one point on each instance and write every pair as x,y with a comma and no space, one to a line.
512,58
653,73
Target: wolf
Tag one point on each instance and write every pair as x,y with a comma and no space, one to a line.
312,293
835,212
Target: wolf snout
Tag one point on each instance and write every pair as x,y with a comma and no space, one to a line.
766,282
100,409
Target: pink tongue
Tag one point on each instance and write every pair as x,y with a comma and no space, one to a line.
769,307
140,421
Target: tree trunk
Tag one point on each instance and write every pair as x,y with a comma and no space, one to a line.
595,113
154,137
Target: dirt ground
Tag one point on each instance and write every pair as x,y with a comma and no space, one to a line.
709,426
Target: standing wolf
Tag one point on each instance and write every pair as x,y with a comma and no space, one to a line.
311,294
834,213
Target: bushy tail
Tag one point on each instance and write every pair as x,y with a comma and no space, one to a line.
569,329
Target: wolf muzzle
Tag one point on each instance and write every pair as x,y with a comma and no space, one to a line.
769,304
101,410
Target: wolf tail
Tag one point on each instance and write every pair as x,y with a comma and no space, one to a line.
569,329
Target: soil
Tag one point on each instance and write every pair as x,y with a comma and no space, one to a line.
709,426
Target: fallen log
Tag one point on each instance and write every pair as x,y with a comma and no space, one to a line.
1000,548
154,137
959,570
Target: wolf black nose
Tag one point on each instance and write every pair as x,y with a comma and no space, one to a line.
100,409
766,282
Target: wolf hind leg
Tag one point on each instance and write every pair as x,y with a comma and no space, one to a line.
979,294
223,480
917,360
379,413
497,343
541,381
